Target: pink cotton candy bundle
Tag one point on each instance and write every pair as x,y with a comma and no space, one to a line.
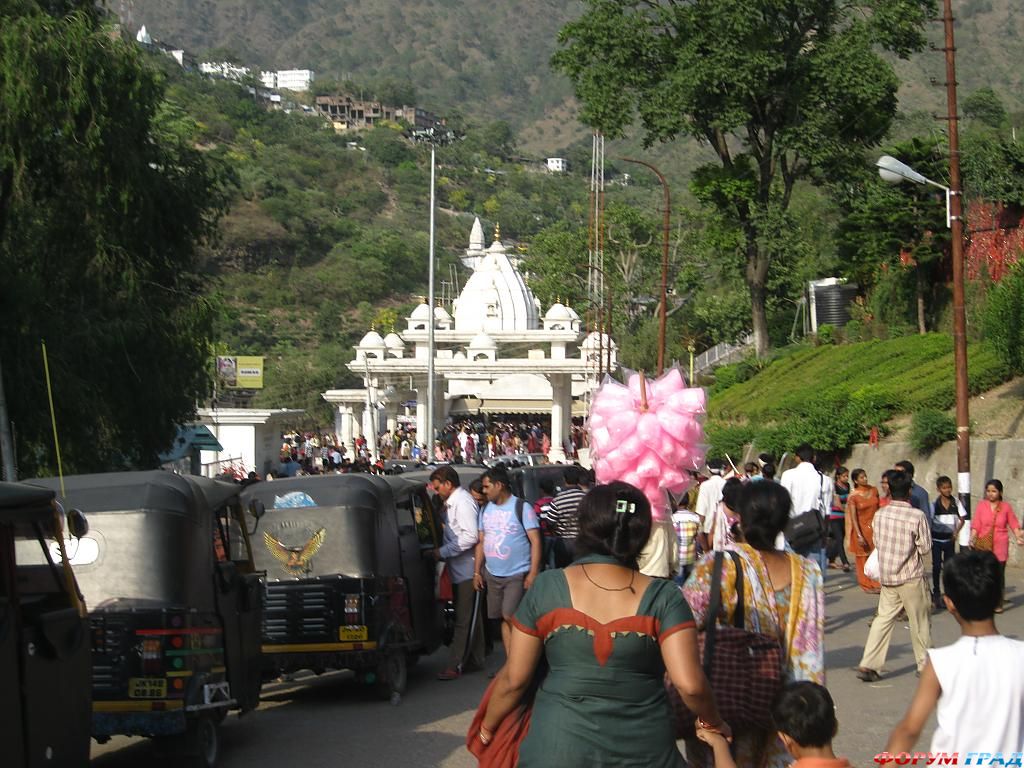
648,434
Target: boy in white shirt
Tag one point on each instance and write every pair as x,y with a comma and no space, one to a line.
975,684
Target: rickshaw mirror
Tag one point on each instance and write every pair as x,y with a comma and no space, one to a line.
78,524
257,509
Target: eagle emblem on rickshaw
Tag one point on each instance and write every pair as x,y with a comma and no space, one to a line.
295,559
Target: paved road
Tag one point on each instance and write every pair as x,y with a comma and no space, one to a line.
331,721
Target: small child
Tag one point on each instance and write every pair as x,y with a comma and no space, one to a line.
805,717
948,516
973,679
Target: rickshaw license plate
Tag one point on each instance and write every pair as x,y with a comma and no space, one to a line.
352,633
147,688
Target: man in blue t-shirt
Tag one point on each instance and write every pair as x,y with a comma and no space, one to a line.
510,544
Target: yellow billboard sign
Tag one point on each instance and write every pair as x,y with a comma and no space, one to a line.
240,372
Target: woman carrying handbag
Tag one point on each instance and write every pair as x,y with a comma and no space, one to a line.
990,528
783,597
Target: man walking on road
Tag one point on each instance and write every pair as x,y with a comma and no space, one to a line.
510,545
457,551
563,514
810,491
708,495
903,540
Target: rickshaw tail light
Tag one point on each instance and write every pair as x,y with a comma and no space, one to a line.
352,609
152,655
151,648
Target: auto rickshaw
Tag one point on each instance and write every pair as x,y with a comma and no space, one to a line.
526,480
349,582
174,607
44,636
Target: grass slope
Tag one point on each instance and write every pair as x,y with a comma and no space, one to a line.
832,395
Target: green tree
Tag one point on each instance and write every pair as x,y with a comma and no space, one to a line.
103,201
781,90
1004,319
985,106
900,229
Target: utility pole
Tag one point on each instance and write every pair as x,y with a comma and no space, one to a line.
666,228
431,375
963,435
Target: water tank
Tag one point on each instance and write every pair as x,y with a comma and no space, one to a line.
830,301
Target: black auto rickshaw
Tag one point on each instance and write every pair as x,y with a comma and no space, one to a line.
44,636
526,481
175,607
347,584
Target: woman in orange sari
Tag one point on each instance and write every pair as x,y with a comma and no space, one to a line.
860,511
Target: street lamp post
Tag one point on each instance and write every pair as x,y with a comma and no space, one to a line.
433,136
666,228
894,172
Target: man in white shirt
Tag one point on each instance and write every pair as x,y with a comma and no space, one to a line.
708,495
809,490
457,551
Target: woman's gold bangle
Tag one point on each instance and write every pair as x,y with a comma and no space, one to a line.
485,735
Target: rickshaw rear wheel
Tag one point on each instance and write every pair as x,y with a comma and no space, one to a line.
392,674
201,742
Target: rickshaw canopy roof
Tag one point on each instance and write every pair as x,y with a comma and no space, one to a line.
22,505
155,490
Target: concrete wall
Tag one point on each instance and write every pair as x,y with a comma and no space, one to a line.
1000,459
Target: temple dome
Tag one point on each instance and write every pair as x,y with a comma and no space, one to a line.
372,340
558,311
441,315
482,341
422,312
394,341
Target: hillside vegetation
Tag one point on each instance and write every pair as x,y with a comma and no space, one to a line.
831,396
492,58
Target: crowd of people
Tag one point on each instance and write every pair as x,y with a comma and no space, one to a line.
320,452
595,645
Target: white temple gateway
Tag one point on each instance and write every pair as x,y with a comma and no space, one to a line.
495,354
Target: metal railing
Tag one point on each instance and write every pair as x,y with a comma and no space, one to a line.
723,353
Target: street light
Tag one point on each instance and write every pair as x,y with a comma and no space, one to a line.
434,136
894,172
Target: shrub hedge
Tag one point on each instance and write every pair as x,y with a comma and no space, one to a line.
831,396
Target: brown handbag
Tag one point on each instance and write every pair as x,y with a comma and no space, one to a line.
744,668
987,542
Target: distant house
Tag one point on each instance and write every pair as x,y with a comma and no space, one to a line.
295,79
291,79
143,38
348,113
558,164
225,69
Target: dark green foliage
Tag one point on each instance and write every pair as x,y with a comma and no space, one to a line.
1004,319
104,200
930,428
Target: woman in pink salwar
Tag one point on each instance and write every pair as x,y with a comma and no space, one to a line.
993,520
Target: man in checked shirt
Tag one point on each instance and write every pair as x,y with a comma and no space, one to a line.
904,540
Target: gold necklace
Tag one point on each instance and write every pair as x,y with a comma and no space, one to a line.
632,575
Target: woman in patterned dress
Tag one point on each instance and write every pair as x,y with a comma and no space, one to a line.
783,597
